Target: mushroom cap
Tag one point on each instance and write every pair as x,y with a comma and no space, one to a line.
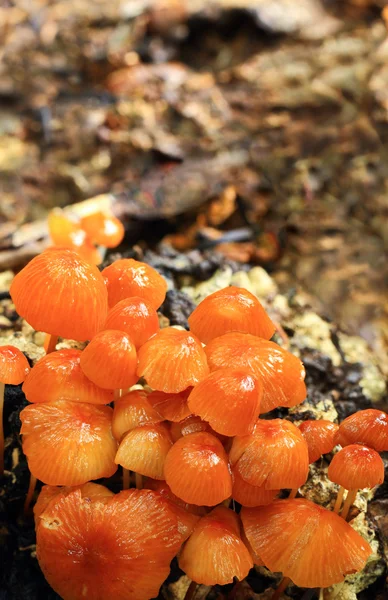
14,366
68,443
192,424
103,230
215,553
304,541
131,411
136,317
117,549
369,427
60,293
319,436
93,491
274,455
172,361
250,495
281,373
58,376
144,450
110,360
65,231
356,467
230,309
126,278
229,399
197,470
172,407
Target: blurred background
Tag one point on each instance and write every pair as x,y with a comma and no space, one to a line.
253,128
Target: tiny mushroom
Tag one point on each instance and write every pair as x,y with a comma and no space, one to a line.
103,229
369,427
136,317
319,436
126,278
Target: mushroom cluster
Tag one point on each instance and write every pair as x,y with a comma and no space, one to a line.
186,415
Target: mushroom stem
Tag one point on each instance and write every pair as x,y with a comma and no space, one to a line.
139,481
2,388
283,585
191,591
338,501
350,498
30,493
126,475
293,493
282,334
50,343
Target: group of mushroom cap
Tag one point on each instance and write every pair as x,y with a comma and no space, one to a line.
186,419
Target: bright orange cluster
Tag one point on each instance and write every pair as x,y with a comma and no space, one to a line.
190,424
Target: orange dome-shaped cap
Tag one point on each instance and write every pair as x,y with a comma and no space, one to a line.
229,399
215,552
103,230
369,427
90,490
312,546
58,376
144,450
110,360
250,495
281,373
319,436
356,467
117,550
126,278
172,407
136,317
197,470
172,361
131,411
14,366
230,309
60,293
275,455
65,231
68,443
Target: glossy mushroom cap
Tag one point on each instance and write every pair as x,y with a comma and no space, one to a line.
281,373
230,309
356,467
90,490
250,495
229,399
65,231
103,230
68,443
369,427
126,278
191,424
131,411
275,455
144,450
136,317
197,470
172,407
61,294
319,436
215,552
172,361
312,546
117,549
110,360
58,376
14,366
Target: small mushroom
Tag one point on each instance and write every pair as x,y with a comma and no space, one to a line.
66,232
172,407
319,436
131,411
144,450
103,229
369,427
250,495
136,317
126,278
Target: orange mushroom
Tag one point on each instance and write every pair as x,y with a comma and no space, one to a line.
319,436
120,548
136,317
90,490
144,450
281,373
369,427
250,495
197,470
110,360
58,376
68,443
172,361
173,407
66,232
61,294
229,399
190,424
131,411
103,229
126,278
215,553
353,468
274,455
14,368
230,309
